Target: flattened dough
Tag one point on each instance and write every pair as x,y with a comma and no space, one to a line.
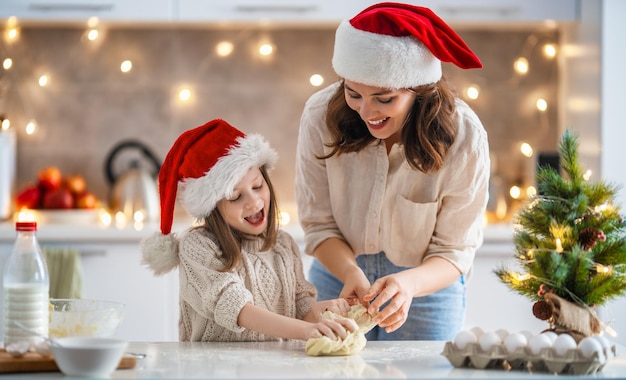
354,341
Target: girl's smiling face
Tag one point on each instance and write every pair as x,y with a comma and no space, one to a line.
384,111
246,210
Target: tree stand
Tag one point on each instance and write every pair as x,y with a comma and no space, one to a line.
566,317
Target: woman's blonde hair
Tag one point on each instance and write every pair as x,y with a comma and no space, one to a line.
428,132
230,239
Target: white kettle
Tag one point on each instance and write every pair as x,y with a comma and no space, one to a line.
135,188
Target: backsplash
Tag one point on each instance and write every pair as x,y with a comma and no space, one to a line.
89,105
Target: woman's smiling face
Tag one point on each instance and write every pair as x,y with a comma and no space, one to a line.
246,210
384,111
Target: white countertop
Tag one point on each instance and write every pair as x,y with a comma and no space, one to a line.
95,232
287,360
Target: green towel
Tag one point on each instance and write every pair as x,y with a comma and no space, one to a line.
66,277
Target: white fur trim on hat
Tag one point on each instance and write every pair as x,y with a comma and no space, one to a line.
381,60
200,195
160,252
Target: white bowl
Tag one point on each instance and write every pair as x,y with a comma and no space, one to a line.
88,356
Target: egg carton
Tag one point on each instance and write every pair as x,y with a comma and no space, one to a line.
572,363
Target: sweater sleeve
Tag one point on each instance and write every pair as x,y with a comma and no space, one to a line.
305,292
215,295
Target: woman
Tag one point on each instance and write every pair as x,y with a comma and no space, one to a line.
392,174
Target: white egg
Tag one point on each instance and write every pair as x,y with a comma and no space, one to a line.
464,338
564,343
551,334
606,344
477,331
502,333
539,342
527,334
514,341
590,346
489,340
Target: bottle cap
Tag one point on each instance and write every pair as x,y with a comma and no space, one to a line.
26,226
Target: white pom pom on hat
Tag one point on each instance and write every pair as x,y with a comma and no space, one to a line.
201,168
395,45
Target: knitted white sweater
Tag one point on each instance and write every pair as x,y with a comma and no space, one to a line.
210,300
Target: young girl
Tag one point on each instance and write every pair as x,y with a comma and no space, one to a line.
241,278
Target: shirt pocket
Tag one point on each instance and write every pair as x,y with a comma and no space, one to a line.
412,226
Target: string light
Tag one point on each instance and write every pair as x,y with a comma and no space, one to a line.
521,66
549,50
31,127
526,149
472,92
587,175
531,191
7,63
6,123
43,80
316,80
542,105
92,34
224,48
126,66
266,49
515,192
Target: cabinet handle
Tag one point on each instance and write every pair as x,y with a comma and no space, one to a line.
60,7
276,8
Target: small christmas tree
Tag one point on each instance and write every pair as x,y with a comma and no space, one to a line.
570,242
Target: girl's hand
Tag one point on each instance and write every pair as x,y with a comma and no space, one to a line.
338,306
393,288
336,328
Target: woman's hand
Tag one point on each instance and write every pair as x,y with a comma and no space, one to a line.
339,306
355,286
395,288
335,328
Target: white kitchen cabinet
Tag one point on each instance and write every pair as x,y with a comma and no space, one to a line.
82,10
112,272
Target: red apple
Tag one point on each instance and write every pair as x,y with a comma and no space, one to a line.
49,178
86,200
61,198
76,183
29,197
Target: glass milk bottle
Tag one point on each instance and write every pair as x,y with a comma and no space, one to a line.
26,287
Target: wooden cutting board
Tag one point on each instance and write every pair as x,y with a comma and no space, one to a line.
33,362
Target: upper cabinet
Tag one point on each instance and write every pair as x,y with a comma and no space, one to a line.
296,12
70,11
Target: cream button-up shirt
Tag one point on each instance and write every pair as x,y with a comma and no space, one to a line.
377,202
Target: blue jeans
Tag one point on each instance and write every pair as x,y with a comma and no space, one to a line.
438,316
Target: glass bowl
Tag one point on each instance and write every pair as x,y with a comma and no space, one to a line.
84,318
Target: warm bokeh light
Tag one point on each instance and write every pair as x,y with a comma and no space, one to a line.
11,34
224,48
43,80
472,92
266,49
92,34
587,175
6,123
526,149
92,22
31,127
184,95
285,218
549,50
126,66
521,65
542,104
515,192
7,63
138,216
531,191
316,80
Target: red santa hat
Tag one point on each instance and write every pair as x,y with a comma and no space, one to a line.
394,45
201,168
